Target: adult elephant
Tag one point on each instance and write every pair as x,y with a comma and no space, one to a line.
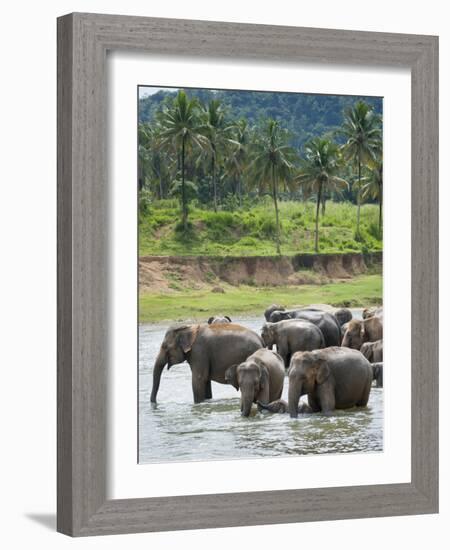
377,369
364,330
343,315
373,351
369,312
292,335
327,322
219,319
260,378
333,378
271,309
209,350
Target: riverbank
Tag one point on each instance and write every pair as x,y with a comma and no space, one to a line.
168,274
198,305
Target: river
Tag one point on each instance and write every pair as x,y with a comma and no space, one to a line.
177,430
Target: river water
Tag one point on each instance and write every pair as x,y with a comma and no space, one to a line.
177,430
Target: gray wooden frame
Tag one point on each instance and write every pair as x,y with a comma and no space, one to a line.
83,40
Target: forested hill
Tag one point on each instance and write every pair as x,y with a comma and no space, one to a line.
305,115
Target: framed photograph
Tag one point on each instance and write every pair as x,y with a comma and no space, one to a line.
247,274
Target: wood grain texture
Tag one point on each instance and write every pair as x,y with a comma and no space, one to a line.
83,40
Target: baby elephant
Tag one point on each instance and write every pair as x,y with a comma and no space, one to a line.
280,406
292,335
373,351
377,369
333,378
260,379
219,319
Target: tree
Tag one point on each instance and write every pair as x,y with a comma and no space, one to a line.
218,132
180,127
155,165
272,161
238,156
318,173
362,130
373,189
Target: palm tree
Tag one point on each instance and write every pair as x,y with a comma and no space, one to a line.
272,161
238,156
362,131
318,173
155,165
373,189
218,132
180,127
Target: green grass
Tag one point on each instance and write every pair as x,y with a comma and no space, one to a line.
251,231
199,305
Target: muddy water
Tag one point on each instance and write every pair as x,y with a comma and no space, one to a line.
177,430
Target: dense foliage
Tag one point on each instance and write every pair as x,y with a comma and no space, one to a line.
304,115
193,147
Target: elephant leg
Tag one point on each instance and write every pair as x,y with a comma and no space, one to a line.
327,400
208,390
365,397
199,388
313,403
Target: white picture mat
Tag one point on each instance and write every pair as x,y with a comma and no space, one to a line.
127,479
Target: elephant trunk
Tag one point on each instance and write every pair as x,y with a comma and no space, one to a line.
160,363
246,402
293,399
346,341
267,343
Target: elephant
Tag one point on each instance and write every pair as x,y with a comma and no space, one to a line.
360,331
333,378
280,406
260,378
271,309
292,335
343,315
209,350
369,312
327,322
373,351
219,319
377,369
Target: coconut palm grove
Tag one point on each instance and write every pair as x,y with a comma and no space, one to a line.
258,173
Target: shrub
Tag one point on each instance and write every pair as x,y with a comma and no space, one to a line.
268,227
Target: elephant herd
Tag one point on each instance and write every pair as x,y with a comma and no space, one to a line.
330,357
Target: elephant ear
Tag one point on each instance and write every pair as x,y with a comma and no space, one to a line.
231,376
186,337
210,320
264,379
323,371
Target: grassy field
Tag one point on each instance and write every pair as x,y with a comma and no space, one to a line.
196,305
251,231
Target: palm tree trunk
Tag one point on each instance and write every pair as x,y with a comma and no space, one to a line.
358,199
316,237
324,200
183,188
214,178
240,192
380,214
275,202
